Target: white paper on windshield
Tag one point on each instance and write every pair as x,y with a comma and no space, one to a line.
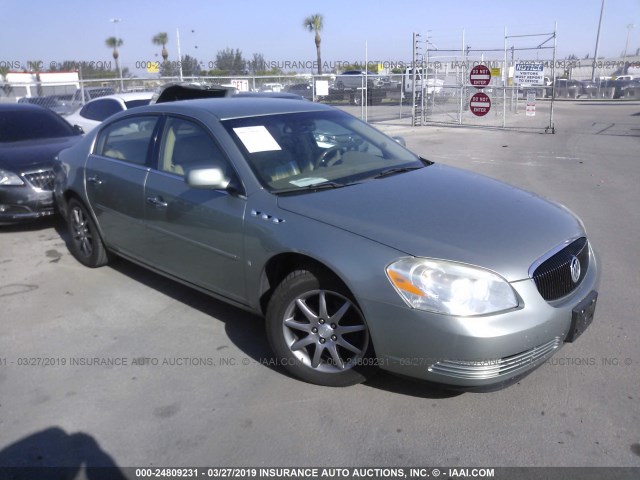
305,182
257,139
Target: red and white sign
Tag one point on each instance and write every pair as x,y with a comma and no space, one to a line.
480,76
480,104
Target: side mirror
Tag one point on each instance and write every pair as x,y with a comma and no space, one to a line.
400,140
78,130
212,178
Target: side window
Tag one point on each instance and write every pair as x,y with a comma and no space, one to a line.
186,145
101,109
127,139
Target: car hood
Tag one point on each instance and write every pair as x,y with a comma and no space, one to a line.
446,213
18,156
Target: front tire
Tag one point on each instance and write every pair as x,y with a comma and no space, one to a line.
317,331
85,245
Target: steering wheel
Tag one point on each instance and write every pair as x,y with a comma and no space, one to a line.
329,157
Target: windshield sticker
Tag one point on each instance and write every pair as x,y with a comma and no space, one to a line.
305,182
257,139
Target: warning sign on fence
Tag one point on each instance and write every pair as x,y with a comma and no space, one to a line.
480,76
480,104
529,74
531,103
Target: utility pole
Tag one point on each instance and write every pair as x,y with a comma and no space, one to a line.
595,56
630,27
179,53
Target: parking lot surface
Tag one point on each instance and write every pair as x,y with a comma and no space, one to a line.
120,366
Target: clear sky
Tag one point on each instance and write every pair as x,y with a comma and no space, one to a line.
50,30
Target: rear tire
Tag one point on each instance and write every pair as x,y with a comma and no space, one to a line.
317,331
86,244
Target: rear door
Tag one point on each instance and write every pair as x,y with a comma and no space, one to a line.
194,234
115,176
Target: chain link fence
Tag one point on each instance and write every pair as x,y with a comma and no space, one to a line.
442,95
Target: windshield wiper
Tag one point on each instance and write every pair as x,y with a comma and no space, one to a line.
393,171
313,187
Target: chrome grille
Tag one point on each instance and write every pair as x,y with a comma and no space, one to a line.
42,179
486,369
553,276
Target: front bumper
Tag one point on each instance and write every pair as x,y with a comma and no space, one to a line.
24,203
475,351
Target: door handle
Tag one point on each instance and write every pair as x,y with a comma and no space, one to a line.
94,180
157,202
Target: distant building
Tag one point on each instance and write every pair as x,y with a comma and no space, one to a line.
28,84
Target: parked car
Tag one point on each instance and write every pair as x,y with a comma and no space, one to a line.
96,111
304,90
622,87
174,91
86,94
433,85
51,102
354,79
271,87
630,89
360,254
30,137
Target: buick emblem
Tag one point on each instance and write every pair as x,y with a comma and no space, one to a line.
574,266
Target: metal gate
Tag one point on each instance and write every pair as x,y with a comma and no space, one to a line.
448,96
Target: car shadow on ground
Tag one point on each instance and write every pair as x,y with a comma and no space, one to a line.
33,225
245,329
55,454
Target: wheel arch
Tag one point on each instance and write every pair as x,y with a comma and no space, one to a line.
70,194
280,265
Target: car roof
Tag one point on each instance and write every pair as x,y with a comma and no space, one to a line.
236,107
16,107
126,97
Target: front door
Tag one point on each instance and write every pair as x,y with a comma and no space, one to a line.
194,234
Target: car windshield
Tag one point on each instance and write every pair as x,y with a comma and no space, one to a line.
18,125
303,151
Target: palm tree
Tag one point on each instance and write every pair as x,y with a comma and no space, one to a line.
314,23
4,83
35,66
113,42
162,39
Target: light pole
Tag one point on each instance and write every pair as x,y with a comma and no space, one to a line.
595,57
179,53
115,21
630,27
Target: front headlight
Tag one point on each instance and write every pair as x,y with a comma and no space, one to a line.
450,288
9,178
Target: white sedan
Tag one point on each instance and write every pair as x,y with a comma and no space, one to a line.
94,112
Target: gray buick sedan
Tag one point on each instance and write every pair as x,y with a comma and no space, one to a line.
360,255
